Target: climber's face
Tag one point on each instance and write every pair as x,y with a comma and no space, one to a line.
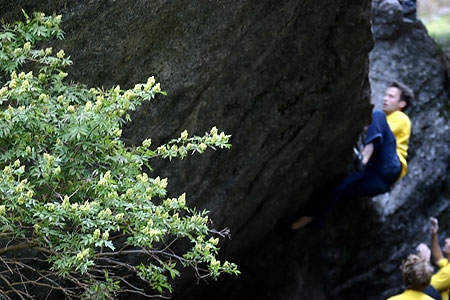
391,100
446,248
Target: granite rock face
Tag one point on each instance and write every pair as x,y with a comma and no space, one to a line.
290,81
404,51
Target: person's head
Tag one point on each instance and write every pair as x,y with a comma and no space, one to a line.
397,97
446,248
417,272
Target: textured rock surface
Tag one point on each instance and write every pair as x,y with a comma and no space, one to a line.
404,50
289,80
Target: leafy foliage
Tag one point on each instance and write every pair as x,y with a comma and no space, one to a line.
74,194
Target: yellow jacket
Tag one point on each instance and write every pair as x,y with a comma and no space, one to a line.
411,295
400,125
441,280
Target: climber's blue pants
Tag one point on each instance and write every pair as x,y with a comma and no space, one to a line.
378,176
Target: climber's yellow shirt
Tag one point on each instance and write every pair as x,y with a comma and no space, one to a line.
441,280
400,125
411,295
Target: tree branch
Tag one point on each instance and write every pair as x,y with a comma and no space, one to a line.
18,247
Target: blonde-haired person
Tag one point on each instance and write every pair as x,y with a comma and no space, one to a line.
416,273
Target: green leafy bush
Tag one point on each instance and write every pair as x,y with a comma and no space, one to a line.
75,195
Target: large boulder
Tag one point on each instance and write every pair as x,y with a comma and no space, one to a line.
404,51
290,81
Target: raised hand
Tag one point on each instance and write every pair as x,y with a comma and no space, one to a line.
434,225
